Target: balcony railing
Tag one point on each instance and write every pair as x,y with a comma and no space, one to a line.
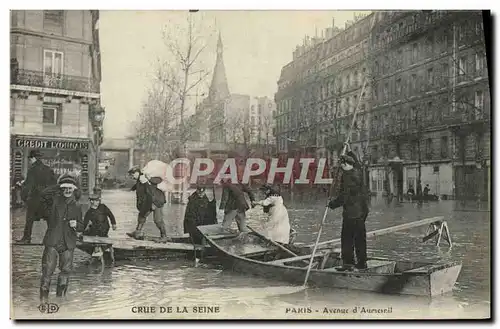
58,81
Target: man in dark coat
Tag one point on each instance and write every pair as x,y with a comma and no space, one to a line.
63,222
150,199
353,198
198,212
98,216
234,204
38,178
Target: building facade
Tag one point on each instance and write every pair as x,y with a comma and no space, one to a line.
425,113
55,91
320,89
430,116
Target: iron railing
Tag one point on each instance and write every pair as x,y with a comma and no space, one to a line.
56,81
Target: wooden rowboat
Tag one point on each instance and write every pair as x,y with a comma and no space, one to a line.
255,256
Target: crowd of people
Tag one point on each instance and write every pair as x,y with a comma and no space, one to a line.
56,201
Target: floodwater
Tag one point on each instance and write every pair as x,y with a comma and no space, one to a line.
178,289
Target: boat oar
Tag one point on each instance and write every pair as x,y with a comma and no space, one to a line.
274,243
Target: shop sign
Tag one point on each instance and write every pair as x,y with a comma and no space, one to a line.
51,144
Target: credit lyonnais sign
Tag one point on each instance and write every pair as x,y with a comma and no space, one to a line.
51,144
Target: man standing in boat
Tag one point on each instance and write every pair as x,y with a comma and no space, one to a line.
150,199
234,204
353,198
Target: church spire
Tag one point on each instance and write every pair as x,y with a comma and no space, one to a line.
219,89
220,47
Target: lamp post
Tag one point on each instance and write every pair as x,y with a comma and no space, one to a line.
98,115
481,164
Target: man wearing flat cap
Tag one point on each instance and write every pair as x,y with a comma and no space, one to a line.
63,223
38,178
353,198
150,199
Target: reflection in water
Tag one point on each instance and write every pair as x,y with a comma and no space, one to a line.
97,292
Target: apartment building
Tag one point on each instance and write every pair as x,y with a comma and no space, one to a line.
55,91
430,118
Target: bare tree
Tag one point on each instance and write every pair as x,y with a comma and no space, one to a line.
265,133
156,128
161,127
186,53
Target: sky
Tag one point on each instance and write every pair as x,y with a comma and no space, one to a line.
257,44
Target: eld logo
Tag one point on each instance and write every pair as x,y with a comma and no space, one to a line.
48,308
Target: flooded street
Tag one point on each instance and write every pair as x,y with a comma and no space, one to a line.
113,292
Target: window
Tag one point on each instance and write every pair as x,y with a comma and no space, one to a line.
413,82
413,114
428,148
398,87
355,101
444,147
414,55
375,153
445,72
429,111
386,92
462,65
479,100
53,20
52,62
461,31
444,46
385,150
430,46
479,59
430,76
413,150
399,59
356,81
51,114
479,28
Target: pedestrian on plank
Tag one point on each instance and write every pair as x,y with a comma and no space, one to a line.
64,224
97,218
150,199
353,198
38,178
234,204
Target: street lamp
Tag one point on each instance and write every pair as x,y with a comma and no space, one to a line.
98,113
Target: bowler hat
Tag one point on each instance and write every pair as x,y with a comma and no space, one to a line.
35,154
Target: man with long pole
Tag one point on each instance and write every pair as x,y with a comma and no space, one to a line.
353,198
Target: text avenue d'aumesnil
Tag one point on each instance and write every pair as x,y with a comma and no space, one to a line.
253,167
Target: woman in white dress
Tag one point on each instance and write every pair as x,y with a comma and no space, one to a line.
277,225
